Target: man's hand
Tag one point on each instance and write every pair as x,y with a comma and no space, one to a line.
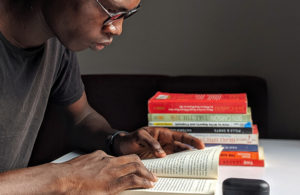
99,173
150,142
91,174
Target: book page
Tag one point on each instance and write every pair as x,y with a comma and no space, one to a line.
192,164
167,186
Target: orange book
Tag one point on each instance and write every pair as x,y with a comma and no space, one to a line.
258,162
238,155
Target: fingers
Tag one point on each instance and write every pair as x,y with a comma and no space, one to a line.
136,169
178,146
150,140
171,141
131,164
188,139
104,174
130,174
131,182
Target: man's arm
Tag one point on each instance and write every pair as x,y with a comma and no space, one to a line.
91,130
94,173
34,180
97,172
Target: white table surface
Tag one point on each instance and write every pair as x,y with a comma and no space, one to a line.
282,169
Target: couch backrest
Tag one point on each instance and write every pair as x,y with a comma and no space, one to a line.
122,100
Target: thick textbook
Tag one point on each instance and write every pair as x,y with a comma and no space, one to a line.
198,103
201,117
189,172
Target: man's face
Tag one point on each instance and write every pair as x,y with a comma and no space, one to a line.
79,23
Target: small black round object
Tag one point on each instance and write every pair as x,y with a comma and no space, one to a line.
242,186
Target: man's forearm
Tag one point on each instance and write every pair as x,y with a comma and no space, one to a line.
34,180
90,131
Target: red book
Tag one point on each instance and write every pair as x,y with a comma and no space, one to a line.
198,103
242,162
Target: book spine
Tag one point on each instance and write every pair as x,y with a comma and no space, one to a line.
225,97
246,139
200,117
242,162
200,124
239,155
231,130
194,107
236,147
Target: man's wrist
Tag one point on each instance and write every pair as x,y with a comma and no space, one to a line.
110,141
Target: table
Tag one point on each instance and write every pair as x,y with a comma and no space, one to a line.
282,169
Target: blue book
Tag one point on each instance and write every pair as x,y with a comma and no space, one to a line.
236,147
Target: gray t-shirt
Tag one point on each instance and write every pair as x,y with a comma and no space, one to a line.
29,78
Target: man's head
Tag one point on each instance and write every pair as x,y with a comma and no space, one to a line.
81,24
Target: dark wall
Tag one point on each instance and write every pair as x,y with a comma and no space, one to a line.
214,37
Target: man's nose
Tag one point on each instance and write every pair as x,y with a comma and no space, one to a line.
115,27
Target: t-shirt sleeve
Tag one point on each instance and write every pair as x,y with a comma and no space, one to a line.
68,86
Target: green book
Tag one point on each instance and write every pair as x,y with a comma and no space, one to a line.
202,117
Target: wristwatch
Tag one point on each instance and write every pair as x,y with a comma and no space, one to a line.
110,142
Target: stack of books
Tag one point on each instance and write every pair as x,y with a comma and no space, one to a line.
216,119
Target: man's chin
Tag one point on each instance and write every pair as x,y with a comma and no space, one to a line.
77,49
97,47
94,47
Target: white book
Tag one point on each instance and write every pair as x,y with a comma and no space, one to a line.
189,172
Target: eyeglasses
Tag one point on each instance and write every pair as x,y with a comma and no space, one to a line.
118,15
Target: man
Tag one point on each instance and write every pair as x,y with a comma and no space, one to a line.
38,65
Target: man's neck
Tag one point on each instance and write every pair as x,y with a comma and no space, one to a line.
24,29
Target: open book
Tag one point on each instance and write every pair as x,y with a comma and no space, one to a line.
188,172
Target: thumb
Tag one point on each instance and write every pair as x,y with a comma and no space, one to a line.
154,145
